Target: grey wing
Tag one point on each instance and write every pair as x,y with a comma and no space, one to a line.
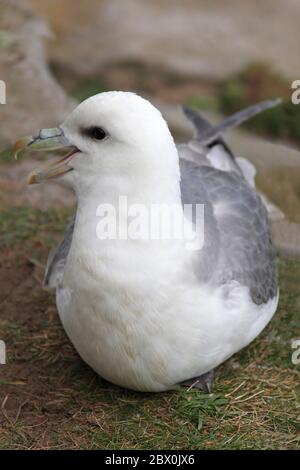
57,258
237,241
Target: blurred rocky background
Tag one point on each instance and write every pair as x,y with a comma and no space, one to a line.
33,95
200,37
213,55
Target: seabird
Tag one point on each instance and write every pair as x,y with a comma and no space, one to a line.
146,314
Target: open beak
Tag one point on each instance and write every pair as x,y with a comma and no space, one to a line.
47,140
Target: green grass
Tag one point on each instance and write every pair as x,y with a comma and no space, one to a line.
6,156
51,400
32,229
203,102
87,87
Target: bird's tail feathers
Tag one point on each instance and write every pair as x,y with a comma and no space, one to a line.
206,133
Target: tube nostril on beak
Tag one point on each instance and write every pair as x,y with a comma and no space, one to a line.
51,133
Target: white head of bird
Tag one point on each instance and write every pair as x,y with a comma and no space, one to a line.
120,145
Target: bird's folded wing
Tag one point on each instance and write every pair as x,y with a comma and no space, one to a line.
237,241
57,258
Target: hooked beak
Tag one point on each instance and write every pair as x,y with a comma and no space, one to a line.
48,139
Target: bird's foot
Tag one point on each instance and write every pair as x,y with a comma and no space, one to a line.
204,382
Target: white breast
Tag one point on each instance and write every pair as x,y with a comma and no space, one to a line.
149,326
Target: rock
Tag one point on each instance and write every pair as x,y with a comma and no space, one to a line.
208,39
33,97
286,237
14,190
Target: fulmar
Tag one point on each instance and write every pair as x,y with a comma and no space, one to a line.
153,313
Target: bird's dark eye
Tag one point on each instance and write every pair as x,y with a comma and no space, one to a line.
96,133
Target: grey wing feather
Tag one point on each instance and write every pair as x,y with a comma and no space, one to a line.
200,123
208,136
237,240
57,258
202,126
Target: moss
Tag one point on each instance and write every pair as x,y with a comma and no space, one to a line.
6,156
7,40
203,102
87,87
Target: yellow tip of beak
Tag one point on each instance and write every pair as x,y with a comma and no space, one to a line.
21,145
32,178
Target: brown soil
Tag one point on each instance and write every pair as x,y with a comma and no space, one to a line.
35,379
